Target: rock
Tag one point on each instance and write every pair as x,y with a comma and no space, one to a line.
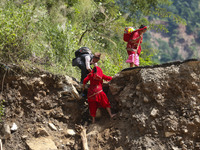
52,126
185,130
71,132
168,134
36,98
14,127
43,93
60,84
41,132
115,89
37,81
197,119
154,112
171,123
138,87
71,91
43,75
69,80
24,137
40,82
41,144
175,148
70,142
6,131
75,92
146,100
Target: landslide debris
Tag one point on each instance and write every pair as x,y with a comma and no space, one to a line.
157,109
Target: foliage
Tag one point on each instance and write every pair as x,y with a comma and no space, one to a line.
136,10
146,61
47,33
109,67
146,56
14,24
188,10
166,53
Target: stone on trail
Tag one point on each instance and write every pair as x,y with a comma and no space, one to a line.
41,144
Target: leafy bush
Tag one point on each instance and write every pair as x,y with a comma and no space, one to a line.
109,67
45,34
14,24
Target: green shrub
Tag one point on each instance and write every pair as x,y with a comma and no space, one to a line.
14,24
109,66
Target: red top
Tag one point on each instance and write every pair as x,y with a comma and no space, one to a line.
134,45
96,81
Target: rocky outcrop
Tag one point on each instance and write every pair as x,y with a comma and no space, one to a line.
40,110
159,105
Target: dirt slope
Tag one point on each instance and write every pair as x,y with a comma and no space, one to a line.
157,108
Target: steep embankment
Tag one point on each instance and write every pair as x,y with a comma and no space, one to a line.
45,108
157,108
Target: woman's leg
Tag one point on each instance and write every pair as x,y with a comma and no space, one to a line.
132,65
93,108
109,112
93,119
136,62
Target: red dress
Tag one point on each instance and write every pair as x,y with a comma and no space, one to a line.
134,45
96,96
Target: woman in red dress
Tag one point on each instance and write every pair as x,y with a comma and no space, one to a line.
96,96
133,46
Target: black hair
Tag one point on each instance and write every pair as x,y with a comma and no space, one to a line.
95,69
96,57
142,26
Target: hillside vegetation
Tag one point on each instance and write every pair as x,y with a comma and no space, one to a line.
45,34
181,41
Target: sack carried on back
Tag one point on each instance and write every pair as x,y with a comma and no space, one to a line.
127,33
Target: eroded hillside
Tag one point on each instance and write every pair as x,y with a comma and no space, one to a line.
157,108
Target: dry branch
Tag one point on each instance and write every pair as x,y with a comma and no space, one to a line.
1,147
82,131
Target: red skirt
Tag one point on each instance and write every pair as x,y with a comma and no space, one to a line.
97,101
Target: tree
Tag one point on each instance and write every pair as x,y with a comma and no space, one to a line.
137,10
53,30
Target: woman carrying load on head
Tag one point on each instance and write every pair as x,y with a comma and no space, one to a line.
134,46
96,96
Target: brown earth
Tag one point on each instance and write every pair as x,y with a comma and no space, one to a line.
157,109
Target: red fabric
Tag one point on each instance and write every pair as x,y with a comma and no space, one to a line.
96,96
145,27
93,106
134,45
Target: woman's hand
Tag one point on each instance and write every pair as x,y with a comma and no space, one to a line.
83,87
89,70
